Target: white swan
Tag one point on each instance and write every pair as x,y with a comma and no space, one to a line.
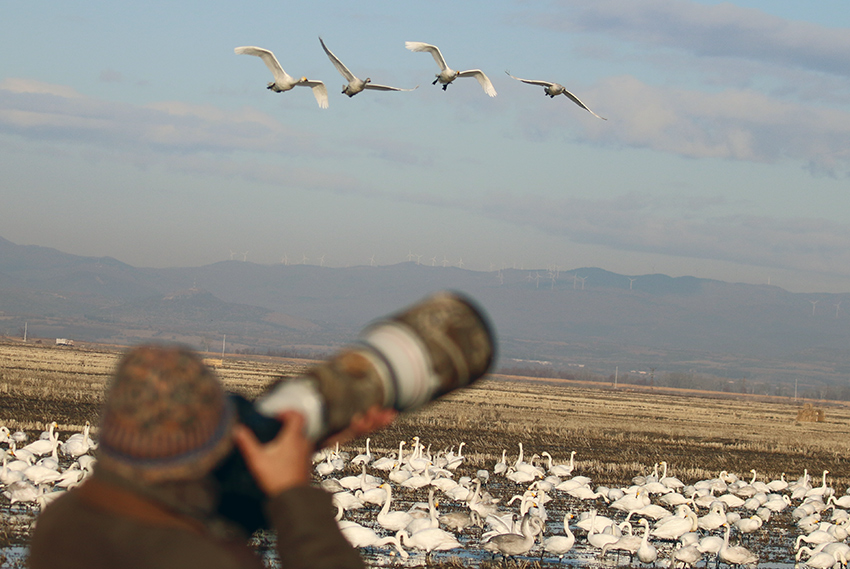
646,553
46,445
360,536
447,74
428,540
561,544
555,89
735,555
356,85
393,521
78,444
819,559
501,466
282,80
562,470
687,555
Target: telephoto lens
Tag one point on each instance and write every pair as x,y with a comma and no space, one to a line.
404,361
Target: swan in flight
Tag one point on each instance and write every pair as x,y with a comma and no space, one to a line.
555,89
282,80
355,84
447,74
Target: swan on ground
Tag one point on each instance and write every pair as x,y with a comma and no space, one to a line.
430,521
736,554
686,555
447,74
646,553
560,544
282,80
46,445
355,84
501,467
555,89
819,559
428,540
22,491
515,544
360,536
459,521
562,470
393,521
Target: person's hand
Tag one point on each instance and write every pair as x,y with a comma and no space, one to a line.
283,462
376,417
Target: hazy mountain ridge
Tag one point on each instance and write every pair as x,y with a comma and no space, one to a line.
586,315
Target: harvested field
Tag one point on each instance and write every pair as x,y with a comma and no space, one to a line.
617,434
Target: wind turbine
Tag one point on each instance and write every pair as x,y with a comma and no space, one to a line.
304,259
418,259
631,282
231,254
322,261
460,263
372,261
244,256
434,261
284,259
837,308
410,256
582,279
814,302
445,261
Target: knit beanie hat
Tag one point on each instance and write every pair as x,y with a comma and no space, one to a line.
166,416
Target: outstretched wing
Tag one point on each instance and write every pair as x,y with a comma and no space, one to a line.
319,91
483,80
268,58
576,100
386,87
531,81
432,49
340,66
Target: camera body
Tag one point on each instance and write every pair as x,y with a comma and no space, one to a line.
401,362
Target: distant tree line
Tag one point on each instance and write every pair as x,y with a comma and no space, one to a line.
293,353
686,380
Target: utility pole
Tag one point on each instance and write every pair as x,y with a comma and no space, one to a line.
25,331
616,373
223,343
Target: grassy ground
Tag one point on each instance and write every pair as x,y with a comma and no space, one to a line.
616,434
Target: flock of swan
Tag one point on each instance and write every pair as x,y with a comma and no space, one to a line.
285,82
531,508
32,473
540,508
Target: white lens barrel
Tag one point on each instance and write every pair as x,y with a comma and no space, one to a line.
408,361
296,395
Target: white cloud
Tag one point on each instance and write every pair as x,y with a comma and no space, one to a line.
734,124
710,30
648,224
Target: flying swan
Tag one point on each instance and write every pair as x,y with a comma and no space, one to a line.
447,74
355,84
555,89
282,80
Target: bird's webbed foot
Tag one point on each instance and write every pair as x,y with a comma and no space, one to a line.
446,86
434,82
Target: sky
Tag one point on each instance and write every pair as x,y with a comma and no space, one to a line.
133,130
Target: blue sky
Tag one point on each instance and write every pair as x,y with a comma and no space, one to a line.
132,130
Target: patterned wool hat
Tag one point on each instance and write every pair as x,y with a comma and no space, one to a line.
166,416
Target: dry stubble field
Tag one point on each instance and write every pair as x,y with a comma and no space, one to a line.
616,434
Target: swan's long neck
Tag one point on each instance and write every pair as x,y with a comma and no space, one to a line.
753,481
519,458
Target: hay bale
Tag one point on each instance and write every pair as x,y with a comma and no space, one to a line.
810,414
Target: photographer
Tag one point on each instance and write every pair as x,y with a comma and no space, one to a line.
151,502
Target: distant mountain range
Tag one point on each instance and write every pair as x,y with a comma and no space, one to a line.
582,317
